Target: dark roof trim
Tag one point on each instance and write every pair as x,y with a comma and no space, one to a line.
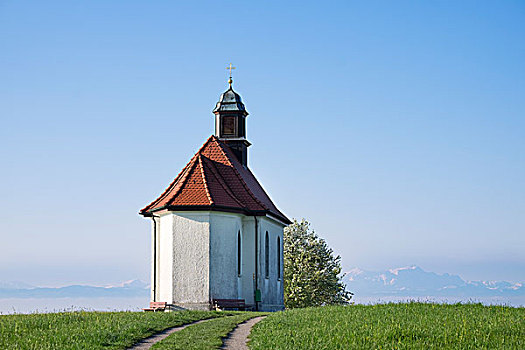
149,213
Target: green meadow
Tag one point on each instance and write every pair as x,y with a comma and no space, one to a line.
89,330
387,326
393,326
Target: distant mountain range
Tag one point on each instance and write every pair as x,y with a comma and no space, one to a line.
412,281
409,281
134,288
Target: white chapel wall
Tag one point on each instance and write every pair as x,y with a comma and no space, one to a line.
190,260
223,254
248,260
164,258
154,263
271,287
197,259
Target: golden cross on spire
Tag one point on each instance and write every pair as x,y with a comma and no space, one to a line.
230,67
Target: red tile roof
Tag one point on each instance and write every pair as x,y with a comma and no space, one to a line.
215,180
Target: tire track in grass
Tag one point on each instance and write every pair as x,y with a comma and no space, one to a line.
238,338
147,343
204,336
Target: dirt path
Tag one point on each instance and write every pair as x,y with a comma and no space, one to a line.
237,339
155,338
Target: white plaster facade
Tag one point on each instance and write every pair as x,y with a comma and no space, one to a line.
195,259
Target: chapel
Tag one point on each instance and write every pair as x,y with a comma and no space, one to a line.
216,234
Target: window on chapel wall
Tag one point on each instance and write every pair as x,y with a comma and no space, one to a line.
239,250
267,256
278,257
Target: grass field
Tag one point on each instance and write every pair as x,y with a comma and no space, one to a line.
89,330
393,326
203,336
388,326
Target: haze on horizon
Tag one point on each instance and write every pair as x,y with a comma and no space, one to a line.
397,130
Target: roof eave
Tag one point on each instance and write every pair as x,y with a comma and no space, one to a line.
282,219
214,207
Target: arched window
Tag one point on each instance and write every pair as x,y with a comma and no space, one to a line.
278,257
267,255
239,253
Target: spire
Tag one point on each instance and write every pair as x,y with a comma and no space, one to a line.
230,101
230,81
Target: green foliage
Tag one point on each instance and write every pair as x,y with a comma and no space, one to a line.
311,272
89,330
206,335
393,326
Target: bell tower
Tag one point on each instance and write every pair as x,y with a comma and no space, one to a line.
230,122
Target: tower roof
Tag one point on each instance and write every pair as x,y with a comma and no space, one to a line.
230,101
215,180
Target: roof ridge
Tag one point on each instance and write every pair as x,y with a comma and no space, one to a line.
205,144
183,179
266,194
172,185
239,176
221,182
204,180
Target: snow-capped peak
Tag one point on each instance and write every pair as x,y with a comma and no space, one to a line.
135,284
354,271
396,270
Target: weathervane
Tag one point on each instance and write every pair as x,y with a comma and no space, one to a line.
230,81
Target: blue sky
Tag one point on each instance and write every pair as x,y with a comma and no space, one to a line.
396,128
